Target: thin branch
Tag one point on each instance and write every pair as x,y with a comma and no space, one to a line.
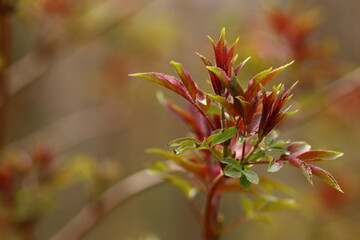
83,222
35,64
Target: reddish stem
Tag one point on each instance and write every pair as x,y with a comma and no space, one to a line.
211,210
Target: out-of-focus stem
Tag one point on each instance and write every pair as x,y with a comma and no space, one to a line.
114,196
5,33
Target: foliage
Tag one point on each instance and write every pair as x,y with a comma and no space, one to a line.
232,131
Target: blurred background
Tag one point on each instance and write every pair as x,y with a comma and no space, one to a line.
73,124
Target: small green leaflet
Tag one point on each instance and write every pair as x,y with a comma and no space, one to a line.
244,182
274,166
232,172
225,135
186,141
251,176
232,162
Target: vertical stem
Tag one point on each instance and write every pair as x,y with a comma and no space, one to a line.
211,224
5,32
210,231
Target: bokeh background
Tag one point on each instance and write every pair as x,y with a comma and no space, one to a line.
66,98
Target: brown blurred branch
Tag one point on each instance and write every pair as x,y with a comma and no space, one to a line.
5,48
36,63
332,92
113,197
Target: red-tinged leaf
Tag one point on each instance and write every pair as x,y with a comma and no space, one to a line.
305,168
297,148
203,101
226,104
186,79
254,84
325,176
195,168
221,74
220,50
273,73
215,81
184,115
319,155
229,58
240,66
235,87
167,81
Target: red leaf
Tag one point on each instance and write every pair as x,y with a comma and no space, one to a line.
167,81
305,168
319,155
186,79
325,176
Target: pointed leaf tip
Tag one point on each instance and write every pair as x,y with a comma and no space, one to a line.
223,32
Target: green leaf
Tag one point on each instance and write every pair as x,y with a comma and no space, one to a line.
278,143
225,135
256,156
235,87
188,148
279,150
185,141
213,110
269,139
274,166
316,155
231,162
251,176
232,172
244,182
325,176
210,138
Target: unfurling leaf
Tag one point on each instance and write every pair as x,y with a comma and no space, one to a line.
186,141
